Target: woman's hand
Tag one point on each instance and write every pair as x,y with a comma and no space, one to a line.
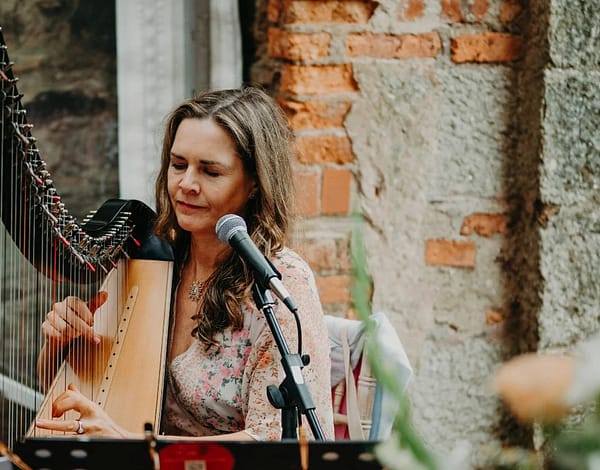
93,421
72,318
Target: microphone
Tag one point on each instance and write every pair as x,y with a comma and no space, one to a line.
232,229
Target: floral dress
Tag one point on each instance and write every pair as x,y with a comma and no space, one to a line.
223,390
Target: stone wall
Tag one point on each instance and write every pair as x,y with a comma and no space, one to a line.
65,58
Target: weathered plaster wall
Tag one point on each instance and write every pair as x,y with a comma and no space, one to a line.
64,55
432,128
570,176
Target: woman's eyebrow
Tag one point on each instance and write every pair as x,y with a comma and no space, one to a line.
203,162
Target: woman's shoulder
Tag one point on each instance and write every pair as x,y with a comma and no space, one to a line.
288,257
289,262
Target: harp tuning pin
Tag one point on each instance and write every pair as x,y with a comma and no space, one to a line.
90,266
77,255
60,236
84,242
69,228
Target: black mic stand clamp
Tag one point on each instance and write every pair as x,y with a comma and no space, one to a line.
292,396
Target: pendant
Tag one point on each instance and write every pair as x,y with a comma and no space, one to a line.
195,291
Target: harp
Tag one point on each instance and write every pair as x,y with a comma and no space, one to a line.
46,254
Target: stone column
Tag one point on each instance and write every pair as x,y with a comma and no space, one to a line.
226,44
570,177
154,72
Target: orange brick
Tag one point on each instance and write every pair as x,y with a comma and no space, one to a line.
298,46
334,288
308,191
485,225
450,253
492,317
357,12
411,9
321,255
510,10
344,255
336,191
486,47
479,8
273,10
315,114
317,79
451,11
393,46
324,149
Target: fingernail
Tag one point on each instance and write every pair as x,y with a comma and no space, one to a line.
97,339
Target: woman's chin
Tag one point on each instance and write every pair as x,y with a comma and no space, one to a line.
196,226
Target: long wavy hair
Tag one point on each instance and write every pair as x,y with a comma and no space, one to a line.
264,142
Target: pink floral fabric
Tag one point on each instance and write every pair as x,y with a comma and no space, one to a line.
223,390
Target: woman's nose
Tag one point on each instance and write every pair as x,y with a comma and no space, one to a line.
189,181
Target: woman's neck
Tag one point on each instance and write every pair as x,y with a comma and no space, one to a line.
205,252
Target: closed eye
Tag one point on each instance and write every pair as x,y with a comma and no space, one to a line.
212,173
178,166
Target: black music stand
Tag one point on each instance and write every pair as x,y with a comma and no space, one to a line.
116,454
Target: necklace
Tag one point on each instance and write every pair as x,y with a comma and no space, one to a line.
195,290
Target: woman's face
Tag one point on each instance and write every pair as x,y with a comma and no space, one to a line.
206,177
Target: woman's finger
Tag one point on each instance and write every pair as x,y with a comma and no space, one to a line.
63,425
97,301
79,308
51,332
78,326
73,318
71,399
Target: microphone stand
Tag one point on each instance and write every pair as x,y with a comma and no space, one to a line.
292,396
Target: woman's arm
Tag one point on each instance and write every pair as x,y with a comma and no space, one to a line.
94,422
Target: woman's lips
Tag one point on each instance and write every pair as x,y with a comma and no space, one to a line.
187,207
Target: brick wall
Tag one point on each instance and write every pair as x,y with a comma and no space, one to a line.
406,111
315,45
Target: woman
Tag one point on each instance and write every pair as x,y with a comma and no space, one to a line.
224,152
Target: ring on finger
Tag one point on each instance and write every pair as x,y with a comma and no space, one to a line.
79,427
